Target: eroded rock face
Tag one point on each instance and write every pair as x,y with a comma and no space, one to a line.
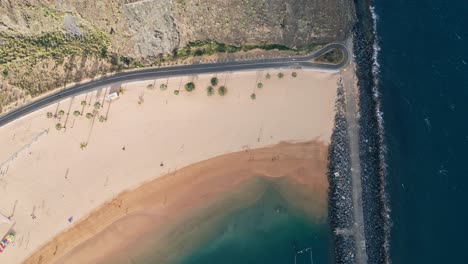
152,27
293,23
147,28
46,43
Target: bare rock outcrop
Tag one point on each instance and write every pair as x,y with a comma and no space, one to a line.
293,23
152,27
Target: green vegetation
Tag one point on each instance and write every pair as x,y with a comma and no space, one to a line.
49,115
149,87
102,119
253,96
214,81
121,91
83,145
259,85
89,115
190,86
210,90
200,48
280,75
176,92
294,74
97,105
83,103
76,113
58,126
222,90
268,76
334,56
61,113
56,45
163,87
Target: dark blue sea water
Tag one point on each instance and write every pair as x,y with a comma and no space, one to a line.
268,231
424,86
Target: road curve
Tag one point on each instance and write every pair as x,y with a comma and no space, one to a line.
153,73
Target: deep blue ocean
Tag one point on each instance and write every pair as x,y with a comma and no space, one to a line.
424,91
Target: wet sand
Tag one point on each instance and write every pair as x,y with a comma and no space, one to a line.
177,211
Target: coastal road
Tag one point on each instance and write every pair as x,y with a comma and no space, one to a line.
165,72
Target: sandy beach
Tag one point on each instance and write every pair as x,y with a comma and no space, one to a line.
57,178
173,207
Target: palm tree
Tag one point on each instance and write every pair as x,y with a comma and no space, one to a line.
259,85
176,92
102,119
97,105
214,81
210,90
58,126
89,115
190,86
61,113
280,75
268,76
149,87
49,115
163,87
222,90
83,145
294,74
253,96
76,113
121,90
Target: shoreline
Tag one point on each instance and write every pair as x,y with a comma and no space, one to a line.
182,200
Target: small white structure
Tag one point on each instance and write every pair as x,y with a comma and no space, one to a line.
111,96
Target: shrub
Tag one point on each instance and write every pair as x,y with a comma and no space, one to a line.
214,81
102,119
268,76
58,126
294,74
189,86
163,86
89,115
149,87
280,75
49,115
253,96
222,90
259,85
76,113
210,90
83,103
61,113
97,105
176,92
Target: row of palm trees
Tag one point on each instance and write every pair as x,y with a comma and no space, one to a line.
280,75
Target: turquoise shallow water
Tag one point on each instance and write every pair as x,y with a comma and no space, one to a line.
265,232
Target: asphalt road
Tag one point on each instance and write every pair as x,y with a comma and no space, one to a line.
164,72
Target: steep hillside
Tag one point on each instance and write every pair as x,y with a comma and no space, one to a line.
45,44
